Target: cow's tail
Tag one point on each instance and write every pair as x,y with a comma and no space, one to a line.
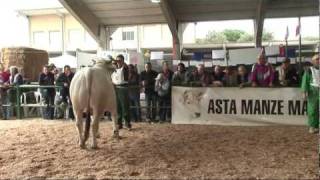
88,119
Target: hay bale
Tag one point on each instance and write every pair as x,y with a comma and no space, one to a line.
29,60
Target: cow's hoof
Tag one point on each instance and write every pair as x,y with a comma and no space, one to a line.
98,135
116,137
94,146
82,146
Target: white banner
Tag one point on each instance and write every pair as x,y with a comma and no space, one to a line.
238,107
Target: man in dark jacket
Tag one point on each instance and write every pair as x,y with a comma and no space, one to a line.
147,79
48,94
64,80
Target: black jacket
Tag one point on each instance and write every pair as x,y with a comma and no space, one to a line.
150,79
47,79
63,78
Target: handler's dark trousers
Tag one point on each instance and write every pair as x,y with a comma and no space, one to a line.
122,94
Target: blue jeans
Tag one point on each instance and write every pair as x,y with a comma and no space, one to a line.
135,110
164,103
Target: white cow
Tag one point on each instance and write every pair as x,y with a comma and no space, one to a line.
92,91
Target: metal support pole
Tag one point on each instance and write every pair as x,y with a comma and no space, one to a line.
18,105
300,65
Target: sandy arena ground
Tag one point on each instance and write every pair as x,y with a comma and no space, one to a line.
42,148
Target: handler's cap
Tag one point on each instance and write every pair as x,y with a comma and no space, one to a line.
160,76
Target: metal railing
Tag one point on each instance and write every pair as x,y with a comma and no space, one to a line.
20,91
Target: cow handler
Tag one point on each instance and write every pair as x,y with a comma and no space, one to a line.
310,87
120,80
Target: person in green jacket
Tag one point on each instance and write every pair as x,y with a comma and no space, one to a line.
310,87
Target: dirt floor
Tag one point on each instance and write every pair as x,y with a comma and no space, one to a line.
42,148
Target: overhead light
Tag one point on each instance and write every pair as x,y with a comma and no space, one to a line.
155,1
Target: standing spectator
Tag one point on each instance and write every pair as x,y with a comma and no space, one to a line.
243,76
166,71
218,76
147,79
120,78
48,94
262,73
229,79
14,80
60,106
287,75
4,81
201,77
179,77
64,80
162,87
134,93
168,74
310,87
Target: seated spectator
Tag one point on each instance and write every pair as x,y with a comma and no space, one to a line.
48,94
64,80
229,79
218,76
199,77
162,87
15,79
262,74
179,77
287,75
243,77
4,81
134,93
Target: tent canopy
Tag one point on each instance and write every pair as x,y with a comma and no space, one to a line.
63,60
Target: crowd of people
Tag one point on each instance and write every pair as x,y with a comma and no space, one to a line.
155,85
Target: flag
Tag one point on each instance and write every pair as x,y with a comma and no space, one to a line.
298,28
287,34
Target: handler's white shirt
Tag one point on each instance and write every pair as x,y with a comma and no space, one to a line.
315,77
117,77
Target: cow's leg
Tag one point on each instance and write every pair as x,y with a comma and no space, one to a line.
79,124
95,128
114,116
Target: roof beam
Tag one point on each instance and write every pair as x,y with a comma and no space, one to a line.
170,17
86,18
258,22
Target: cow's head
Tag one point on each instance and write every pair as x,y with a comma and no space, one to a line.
191,101
106,64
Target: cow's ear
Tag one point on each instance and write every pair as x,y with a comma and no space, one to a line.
184,96
199,96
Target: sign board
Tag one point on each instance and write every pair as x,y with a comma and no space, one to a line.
218,54
272,50
156,55
243,56
238,107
